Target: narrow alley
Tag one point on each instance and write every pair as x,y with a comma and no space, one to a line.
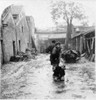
33,80
44,41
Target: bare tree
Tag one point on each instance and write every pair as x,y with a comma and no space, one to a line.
67,11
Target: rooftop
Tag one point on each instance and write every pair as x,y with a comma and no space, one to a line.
84,32
13,9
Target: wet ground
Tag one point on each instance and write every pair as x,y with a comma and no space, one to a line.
33,80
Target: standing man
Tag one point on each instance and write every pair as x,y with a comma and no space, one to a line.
50,49
56,53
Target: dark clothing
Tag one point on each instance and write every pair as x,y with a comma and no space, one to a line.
54,60
56,52
49,49
59,72
55,56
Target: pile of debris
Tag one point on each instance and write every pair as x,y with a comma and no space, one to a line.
70,56
21,56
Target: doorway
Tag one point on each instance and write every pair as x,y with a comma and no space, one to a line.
19,45
14,48
2,52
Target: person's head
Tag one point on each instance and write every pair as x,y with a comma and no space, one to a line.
58,44
53,42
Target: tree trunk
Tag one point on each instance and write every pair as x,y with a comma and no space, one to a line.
68,36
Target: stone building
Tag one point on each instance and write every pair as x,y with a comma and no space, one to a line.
0,56
15,31
0,53
32,38
0,62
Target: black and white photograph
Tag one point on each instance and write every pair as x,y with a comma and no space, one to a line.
47,49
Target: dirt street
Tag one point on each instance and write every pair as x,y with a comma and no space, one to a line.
33,80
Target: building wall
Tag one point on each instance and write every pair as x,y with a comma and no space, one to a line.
0,63
73,43
1,52
0,47
22,35
0,55
37,42
31,26
51,35
16,35
8,38
35,36
78,43
83,43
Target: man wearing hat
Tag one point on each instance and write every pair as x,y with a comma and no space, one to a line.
56,54
50,49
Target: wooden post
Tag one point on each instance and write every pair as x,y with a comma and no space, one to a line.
84,43
93,57
88,46
81,42
92,43
76,43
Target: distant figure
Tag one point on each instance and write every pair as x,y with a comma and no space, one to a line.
50,49
56,54
59,71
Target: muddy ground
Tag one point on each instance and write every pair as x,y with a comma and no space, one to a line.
33,80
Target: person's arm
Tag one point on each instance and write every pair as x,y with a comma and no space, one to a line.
60,52
48,49
61,56
54,50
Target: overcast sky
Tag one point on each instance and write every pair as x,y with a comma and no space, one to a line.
40,10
